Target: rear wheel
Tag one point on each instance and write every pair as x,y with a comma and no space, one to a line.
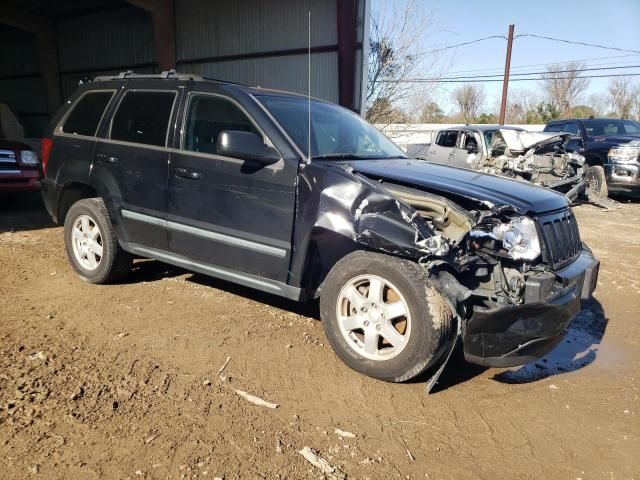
596,180
382,317
91,243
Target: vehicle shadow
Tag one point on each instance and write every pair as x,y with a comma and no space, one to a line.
22,212
309,308
578,349
147,270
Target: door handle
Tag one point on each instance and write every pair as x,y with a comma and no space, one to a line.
188,174
103,158
452,154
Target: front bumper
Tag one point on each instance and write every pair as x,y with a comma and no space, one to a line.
19,181
518,334
623,176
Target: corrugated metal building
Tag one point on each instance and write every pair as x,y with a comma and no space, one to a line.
47,46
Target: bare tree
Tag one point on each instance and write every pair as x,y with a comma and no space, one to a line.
636,102
519,106
599,103
395,41
469,98
563,85
621,93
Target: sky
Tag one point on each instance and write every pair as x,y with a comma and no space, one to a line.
611,23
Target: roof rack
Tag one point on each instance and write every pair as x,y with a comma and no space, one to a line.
167,74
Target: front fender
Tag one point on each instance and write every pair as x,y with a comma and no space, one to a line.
338,212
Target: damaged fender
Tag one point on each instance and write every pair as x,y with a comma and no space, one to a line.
340,212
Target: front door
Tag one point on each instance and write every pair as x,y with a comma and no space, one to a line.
226,211
466,152
131,165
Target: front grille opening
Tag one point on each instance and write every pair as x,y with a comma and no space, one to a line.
561,238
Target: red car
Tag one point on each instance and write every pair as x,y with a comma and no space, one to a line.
20,169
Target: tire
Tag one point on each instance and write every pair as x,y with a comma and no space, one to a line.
596,181
425,328
82,243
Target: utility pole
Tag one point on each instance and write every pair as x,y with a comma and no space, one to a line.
505,82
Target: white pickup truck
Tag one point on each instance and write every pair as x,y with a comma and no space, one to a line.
545,159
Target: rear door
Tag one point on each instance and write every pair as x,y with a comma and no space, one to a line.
226,211
130,165
444,143
74,137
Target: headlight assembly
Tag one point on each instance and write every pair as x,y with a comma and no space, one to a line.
624,154
29,157
519,238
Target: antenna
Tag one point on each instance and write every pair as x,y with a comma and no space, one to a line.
309,91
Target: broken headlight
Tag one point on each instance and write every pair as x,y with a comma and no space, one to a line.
624,153
519,238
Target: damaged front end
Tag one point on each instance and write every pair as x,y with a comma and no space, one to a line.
512,288
539,158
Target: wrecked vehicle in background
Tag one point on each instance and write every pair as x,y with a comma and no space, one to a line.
537,157
406,257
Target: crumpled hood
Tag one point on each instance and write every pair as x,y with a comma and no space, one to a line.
524,197
519,141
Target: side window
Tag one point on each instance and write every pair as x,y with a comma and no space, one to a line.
86,114
469,142
143,117
556,127
447,139
571,128
207,117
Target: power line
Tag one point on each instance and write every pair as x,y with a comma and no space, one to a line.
429,80
580,60
449,47
536,73
577,43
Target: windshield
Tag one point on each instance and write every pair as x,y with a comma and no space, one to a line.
335,131
606,126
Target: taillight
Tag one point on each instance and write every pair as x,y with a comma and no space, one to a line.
46,144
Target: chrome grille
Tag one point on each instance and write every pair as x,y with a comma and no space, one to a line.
561,238
7,157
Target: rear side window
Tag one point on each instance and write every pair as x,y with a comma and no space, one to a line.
86,114
208,116
447,139
143,117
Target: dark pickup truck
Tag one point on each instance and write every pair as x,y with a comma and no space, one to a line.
611,148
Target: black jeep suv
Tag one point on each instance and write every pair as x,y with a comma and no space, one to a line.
232,181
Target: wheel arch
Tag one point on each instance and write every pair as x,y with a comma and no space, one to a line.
70,194
324,249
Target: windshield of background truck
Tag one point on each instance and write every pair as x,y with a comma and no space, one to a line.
335,131
606,127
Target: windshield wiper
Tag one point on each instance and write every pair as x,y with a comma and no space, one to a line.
351,156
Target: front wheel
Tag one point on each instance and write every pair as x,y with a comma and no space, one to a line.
382,317
596,181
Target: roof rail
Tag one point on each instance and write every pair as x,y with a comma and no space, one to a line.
167,74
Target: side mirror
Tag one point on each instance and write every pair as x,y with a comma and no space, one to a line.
246,146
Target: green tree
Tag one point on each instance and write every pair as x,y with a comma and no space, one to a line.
431,113
487,118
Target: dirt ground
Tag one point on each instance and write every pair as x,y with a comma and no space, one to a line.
122,381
